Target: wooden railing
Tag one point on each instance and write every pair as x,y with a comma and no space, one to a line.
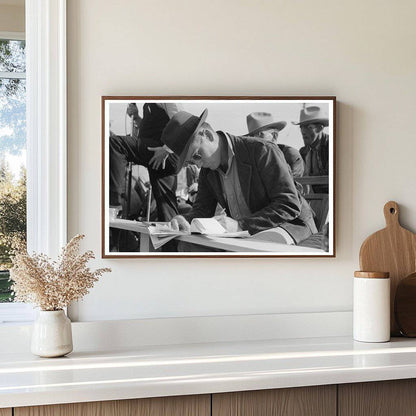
313,180
318,201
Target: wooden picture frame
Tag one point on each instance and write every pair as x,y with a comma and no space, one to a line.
284,210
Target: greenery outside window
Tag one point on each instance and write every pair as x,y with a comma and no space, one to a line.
12,155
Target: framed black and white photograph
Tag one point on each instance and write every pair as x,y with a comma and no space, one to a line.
218,176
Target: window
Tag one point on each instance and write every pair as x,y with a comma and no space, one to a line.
45,89
12,155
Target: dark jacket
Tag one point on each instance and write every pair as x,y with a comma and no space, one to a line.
267,187
322,146
293,159
154,121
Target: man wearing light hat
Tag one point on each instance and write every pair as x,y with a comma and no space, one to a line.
312,121
261,124
247,176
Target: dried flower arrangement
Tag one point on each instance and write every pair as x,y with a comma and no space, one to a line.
52,285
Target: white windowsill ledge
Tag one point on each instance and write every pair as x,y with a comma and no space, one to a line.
16,314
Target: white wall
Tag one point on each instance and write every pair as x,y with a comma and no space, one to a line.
361,51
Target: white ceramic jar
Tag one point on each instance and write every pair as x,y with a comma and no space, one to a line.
52,334
371,307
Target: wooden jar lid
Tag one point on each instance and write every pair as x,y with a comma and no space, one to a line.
373,275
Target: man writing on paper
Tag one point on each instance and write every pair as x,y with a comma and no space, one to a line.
247,176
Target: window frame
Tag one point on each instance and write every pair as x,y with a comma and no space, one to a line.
46,126
12,35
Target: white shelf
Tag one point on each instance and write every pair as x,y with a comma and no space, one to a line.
150,371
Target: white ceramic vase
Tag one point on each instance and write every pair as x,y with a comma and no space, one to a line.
52,334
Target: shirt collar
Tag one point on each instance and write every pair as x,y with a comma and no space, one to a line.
317,143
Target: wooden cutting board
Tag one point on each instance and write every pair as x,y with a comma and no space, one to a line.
405,306
393,250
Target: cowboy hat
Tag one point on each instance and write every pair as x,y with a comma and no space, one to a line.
178,132
312,114
257,122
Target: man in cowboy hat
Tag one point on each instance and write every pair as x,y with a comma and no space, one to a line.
312,121
261,124
247,176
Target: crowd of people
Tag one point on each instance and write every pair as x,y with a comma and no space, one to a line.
195,170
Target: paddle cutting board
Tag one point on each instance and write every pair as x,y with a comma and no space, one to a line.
393,250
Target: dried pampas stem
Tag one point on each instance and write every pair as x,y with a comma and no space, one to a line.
53,285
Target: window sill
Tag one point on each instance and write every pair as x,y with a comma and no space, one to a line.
16,313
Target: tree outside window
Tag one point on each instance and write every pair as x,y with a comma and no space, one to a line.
12,155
